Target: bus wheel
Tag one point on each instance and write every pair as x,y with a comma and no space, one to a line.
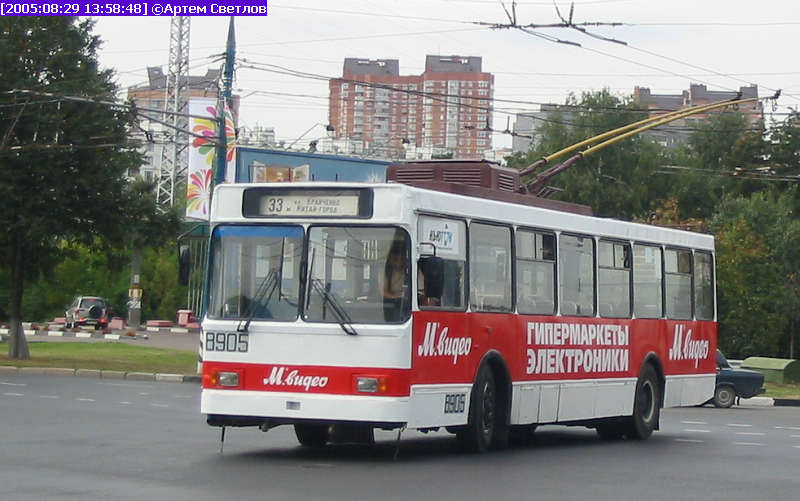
646,405
311,435
478,435
522,434
610,430
724,396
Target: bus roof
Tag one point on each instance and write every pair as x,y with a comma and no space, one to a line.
396,203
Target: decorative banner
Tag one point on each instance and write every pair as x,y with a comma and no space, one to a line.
202,155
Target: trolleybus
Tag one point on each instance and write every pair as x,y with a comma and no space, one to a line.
340,308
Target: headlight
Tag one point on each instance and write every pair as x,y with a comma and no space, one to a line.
374,384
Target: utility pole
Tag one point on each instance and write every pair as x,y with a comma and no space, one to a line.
225,98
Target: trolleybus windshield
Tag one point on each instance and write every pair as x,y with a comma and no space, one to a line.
364,270
255,272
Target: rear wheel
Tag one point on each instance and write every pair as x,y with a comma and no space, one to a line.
311,435
483,428
724,396
522,434
646,406
610,430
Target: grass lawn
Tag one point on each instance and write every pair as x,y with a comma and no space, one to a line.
775,390
105,356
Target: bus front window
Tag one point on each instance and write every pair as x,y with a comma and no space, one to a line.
363,269
255,272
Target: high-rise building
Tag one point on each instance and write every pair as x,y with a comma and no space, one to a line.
445,111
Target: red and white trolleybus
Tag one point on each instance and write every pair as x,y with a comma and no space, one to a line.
341,308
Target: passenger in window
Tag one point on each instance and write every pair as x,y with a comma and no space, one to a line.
394,282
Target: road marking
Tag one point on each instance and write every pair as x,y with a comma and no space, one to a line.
144,393
85,399
125,403
15,384
735,425
691,430
748,443
750,433
795,436
49,396
796,446
14,394
787,427
690,440
693,422
159,405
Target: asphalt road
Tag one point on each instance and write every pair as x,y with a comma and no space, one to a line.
89,439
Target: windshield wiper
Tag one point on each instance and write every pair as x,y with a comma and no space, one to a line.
345,322
265,290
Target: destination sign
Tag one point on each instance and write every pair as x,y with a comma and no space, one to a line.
312,203
309,205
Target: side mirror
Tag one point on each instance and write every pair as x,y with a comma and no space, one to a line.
432,268
184,264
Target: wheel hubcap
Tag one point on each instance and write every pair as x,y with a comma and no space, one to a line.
488,410
647,402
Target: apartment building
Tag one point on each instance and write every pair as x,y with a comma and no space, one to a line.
445,111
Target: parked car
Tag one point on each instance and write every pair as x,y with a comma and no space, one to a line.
88,310
734,382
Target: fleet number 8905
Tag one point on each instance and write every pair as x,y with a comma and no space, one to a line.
227,341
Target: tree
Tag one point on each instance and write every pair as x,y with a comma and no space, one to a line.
62,162
617,181
758,248
721,153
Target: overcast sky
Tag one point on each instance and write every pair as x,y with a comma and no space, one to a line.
721,43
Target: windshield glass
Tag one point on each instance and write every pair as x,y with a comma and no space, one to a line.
255,272
363,269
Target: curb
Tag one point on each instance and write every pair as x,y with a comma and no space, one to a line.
759,401
142,333
787,402
102,374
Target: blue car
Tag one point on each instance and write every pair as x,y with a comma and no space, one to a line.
734,382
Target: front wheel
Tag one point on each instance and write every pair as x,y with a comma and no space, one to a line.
724,396
311,435
646,405
483,430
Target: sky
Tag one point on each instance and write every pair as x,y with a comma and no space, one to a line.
723,44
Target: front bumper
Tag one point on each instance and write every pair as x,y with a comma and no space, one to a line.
255,407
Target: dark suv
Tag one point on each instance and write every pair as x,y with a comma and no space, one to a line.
735,382
88,310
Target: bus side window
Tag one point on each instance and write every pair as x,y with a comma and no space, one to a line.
535,254
678,283
614,279
448,238
576,275
647,281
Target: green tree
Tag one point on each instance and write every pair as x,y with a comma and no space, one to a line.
62,162
619,180
722,153
758,248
